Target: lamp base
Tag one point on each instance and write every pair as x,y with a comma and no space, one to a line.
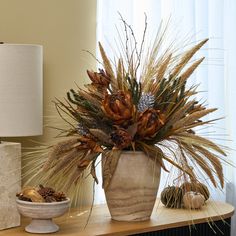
10,183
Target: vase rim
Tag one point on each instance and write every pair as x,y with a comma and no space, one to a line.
21,202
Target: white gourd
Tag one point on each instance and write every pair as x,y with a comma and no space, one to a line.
193,200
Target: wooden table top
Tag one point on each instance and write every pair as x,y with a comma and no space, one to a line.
100,222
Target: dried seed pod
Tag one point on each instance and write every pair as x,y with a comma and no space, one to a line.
33,195
50,199
196,187
23,198
46,191
171,197
121,138
59,196
99,79
193,200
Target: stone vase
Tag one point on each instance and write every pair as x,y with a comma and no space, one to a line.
132,192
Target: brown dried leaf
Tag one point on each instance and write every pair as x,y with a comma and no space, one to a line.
109,163
90,97
132,129
101,136
93,171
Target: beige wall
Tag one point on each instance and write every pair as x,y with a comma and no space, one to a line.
64,28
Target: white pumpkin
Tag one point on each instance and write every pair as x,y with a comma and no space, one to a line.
193,200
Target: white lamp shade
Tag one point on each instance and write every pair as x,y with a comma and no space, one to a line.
21,98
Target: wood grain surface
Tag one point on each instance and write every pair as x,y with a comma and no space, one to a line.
100,222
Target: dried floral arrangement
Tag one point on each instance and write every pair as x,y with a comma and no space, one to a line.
40,194
140,102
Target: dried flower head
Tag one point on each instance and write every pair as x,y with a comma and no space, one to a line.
100,79
149,122
121,138
118,107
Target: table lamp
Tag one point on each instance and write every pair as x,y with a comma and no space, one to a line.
20,115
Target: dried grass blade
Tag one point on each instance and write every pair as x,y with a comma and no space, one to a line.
165,157
187,56
155,153
65,160
108,67
188,120
190,70
201,162
162,68
214,161
58,150
180,113
193,139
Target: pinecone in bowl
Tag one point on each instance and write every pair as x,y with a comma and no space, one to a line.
41,194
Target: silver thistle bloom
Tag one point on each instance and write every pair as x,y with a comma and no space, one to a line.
146,101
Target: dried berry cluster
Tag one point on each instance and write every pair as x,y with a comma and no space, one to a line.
41,194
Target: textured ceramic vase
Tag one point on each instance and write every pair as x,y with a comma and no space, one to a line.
132,192
42,214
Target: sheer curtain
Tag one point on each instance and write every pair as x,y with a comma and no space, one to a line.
196,19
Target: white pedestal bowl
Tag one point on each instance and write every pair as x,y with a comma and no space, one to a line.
42,214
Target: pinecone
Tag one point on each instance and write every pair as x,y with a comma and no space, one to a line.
59,196
50,199
46,191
